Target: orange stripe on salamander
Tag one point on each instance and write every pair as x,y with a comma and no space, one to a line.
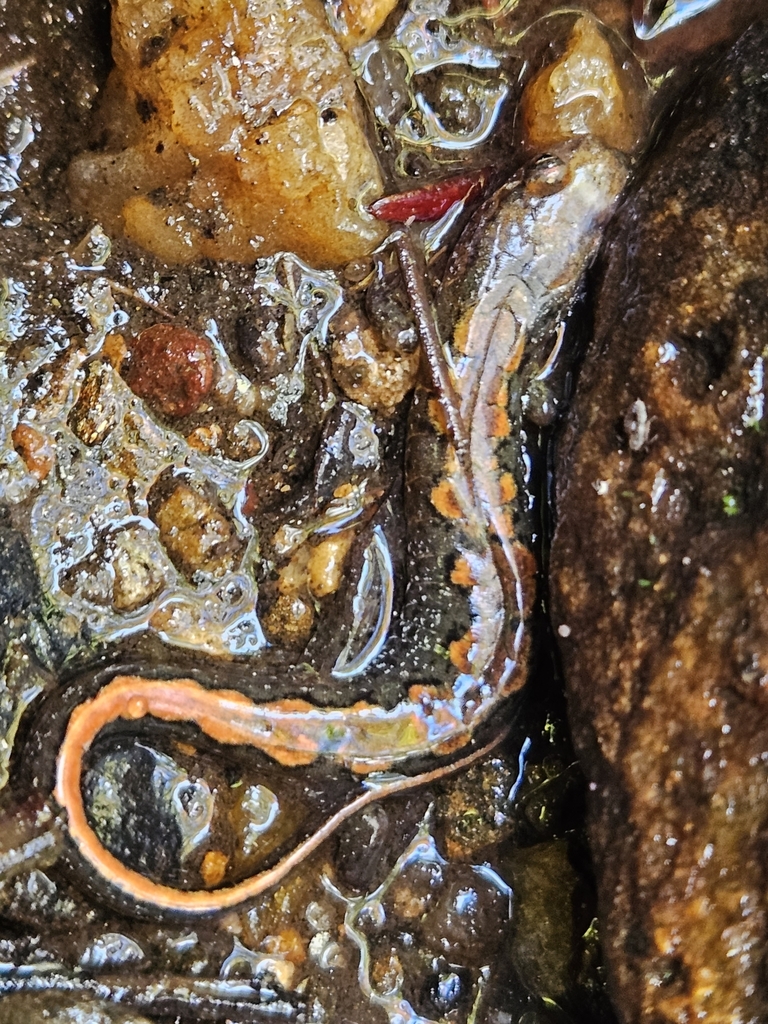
131,698
461,574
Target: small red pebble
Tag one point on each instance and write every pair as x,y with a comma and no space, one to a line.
251,500
429,202
171,368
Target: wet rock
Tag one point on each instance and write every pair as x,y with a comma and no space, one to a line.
449,988
34,895
361,844
22,680
31,839
475,809
96,411
277,165
387,308
369,844
290,620
416,887
365,369
121,573
19,586
54,1008
357,22
145,809
468,920
325,569
111,949
196,534
137,578
34,449
293,386
172,368
543,881
349,451
660,565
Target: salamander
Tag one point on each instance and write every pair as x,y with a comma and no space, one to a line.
512,278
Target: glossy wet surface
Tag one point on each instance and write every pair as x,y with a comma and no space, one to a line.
661,607
221,474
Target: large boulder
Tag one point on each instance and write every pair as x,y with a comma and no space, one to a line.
660,564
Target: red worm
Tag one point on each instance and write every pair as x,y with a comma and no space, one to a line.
429,202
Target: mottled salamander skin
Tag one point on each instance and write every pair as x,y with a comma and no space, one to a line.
515,272
505,294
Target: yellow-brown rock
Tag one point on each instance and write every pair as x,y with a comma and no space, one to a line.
357,21
587,93
364,368
233,132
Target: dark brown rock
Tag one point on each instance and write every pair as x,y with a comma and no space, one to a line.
660,565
